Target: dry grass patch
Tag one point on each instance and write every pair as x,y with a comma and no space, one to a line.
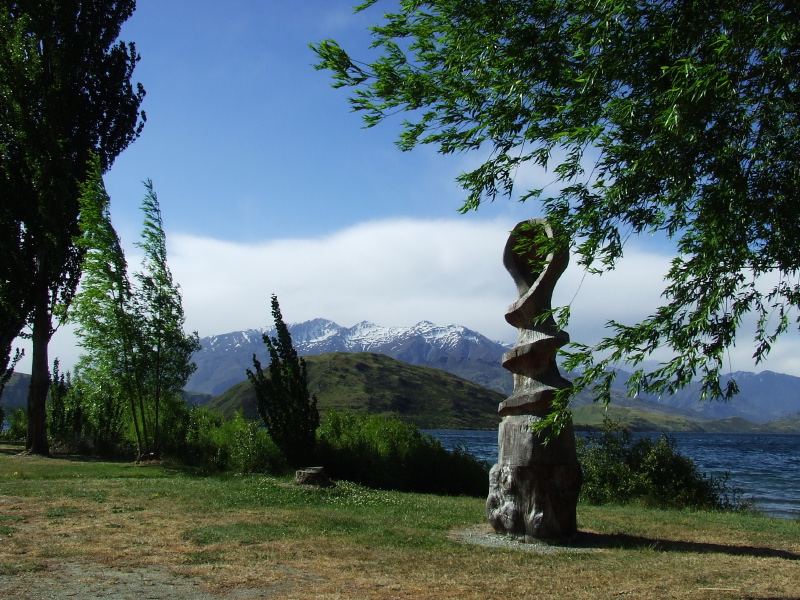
248,537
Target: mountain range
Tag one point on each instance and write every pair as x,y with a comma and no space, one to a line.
458,350
763,396
453,348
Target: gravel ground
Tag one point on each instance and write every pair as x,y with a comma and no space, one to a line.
484,535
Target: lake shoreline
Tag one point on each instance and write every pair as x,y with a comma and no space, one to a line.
764,467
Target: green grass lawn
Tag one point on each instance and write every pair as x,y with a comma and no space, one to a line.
263,536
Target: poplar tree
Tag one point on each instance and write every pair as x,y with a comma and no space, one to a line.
166,350
105,312
136,353
287,408
667,118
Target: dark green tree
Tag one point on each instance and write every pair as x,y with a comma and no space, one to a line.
65,95
287,408
666,118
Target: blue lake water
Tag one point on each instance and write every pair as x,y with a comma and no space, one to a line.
765,467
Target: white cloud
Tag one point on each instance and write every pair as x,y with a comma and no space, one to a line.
627,294
531,176
397,273
394,272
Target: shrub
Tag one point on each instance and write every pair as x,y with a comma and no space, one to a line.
386,453
17,425
239,446
173,421
201,449
105,416
68,422
250,448
618,470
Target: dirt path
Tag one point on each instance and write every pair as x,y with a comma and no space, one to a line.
82,581
85,581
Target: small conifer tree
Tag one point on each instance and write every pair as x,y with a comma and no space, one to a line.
287,408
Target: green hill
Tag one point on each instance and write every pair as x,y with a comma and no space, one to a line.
16,393
434,399
364,382
637,419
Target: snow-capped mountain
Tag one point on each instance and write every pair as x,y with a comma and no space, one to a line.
223,360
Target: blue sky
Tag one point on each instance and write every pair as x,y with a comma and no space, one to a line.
269,184
247,141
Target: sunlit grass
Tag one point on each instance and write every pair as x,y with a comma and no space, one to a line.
349,541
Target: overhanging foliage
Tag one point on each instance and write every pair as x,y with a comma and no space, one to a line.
676,119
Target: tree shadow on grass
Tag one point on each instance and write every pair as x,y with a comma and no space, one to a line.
168,466
12,448
18,449
588,539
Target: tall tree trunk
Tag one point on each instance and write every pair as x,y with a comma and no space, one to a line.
148,444
40,373
157,400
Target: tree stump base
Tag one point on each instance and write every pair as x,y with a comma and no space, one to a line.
533,488
313,476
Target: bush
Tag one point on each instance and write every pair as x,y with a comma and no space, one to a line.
17,426
201,449
68,423
239,446
173,423
250,448
389,454
105,416
652,472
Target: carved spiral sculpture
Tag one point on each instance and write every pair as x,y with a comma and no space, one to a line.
533,488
